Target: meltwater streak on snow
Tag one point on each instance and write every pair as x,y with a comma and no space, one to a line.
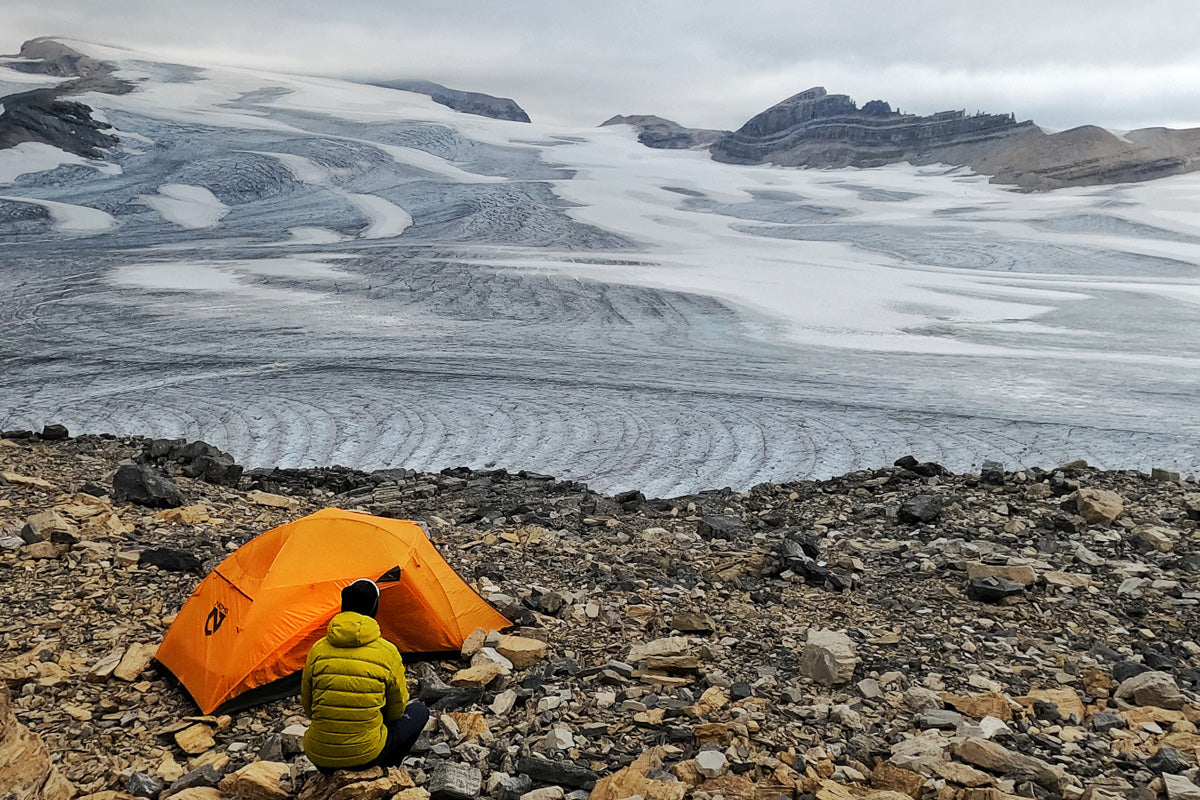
191,207
387,219
71,218
570,302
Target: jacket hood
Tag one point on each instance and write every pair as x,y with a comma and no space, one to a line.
349,629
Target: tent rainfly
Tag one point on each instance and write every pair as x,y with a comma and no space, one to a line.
244,633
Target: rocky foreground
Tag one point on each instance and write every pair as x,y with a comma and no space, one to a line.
890,634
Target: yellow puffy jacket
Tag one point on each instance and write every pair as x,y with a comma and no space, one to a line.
353,683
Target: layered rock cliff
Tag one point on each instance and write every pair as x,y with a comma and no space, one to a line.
817,129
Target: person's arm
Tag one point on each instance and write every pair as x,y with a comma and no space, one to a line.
397,692
306,685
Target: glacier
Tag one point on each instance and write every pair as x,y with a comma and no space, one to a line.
305,271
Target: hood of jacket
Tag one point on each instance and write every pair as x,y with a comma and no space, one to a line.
349,629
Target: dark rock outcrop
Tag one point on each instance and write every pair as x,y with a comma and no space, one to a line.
477,103
139,483
663,134
42,115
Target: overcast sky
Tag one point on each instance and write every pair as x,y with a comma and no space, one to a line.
1062,63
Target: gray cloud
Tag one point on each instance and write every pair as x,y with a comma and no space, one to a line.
705,64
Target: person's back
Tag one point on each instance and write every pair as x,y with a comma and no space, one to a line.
354,690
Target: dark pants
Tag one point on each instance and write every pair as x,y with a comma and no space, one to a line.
402,734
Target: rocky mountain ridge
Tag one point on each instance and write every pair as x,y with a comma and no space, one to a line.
890,634
820,130
478,103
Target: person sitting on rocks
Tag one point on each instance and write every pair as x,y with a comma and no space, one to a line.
354,690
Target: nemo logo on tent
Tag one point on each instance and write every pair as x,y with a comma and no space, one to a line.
212,623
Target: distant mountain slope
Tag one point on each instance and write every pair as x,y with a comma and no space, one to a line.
817,129
664,134
482,105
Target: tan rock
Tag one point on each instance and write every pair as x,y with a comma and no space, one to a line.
135,661
889,777
713,733
478,676
1099,506
216,759
1022,574
1067,702
184,515
521,651
272,500
198,793
832,790
258,780
713,699
471,725
103,668
963,775
633,780
416,793
195,739
25,480
733,787
169,769
474,642
45,524
988,704
26,772
998,759
320,786
886,795
1156,537
670,646
1069,580
43,551
681,664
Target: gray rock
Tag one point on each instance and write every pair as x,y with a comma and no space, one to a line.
143,784
992,589
829,657
508,787
1156,689
1180,788
720,526
207,775
451,781
992,473
941,719
557,773
923,508
1106,721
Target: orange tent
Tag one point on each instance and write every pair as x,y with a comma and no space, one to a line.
252,621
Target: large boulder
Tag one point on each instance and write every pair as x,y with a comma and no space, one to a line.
1157,689
140,484
26,772
1099,506
829,657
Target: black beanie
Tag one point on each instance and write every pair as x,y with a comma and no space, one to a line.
361,597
